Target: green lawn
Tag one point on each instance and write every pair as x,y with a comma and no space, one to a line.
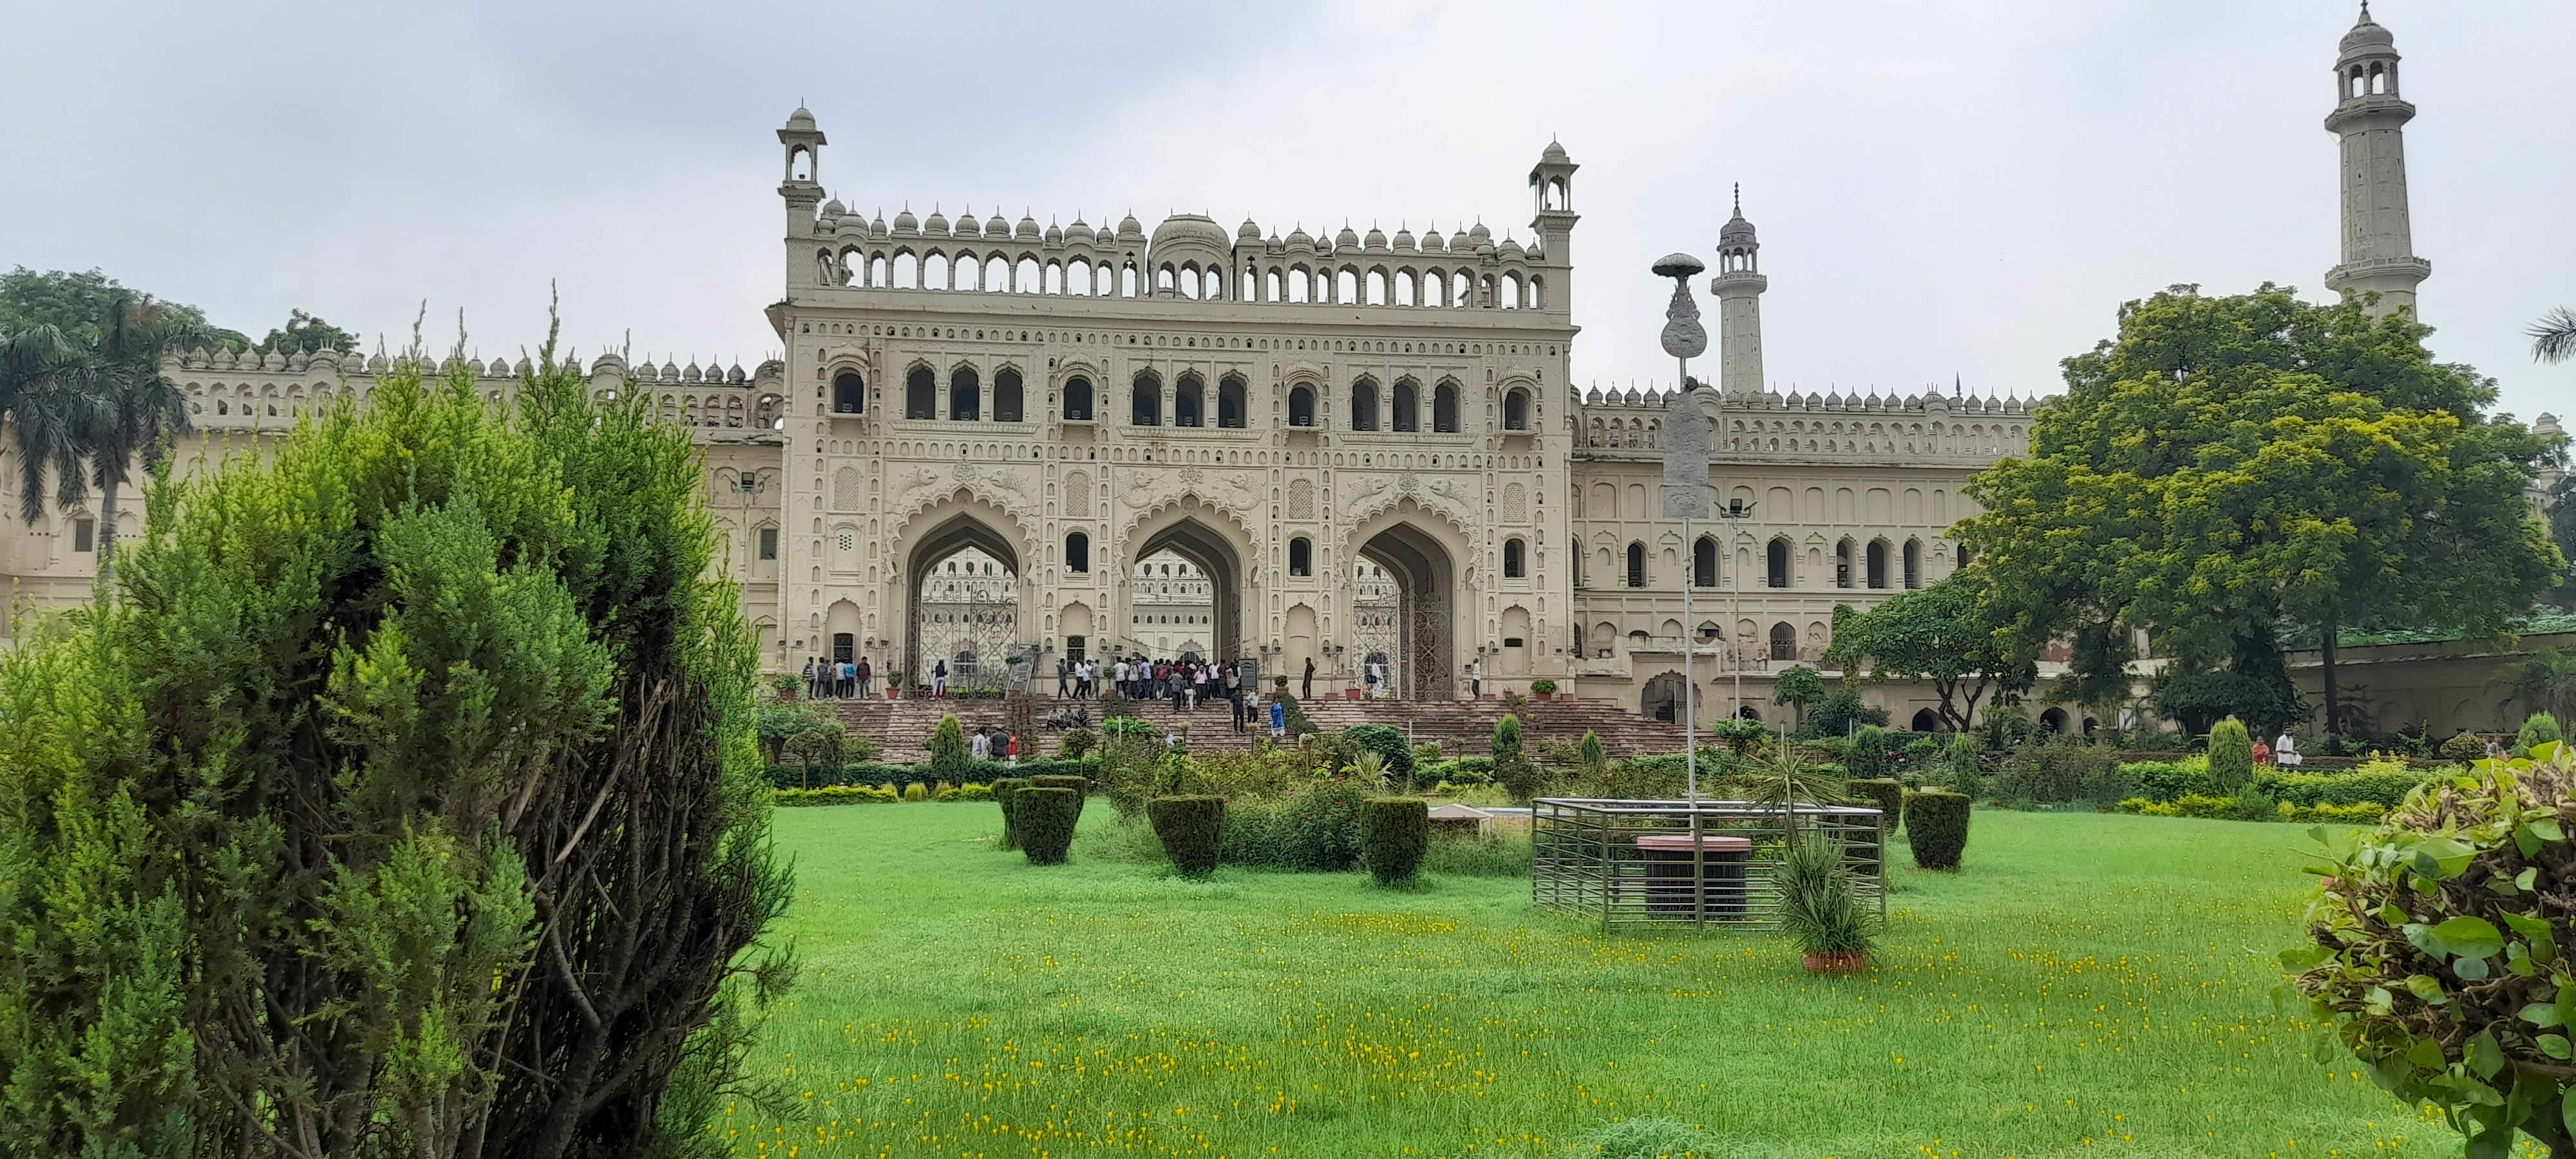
2089,983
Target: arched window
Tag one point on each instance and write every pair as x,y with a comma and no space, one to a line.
1189,403
1779,562
849,393
1006,396
1301,406
1843,564
1230,401
965,394
1077,399
1784,642
1363,405
1408,406
921,394
1077,552
1913,563
1515,559
1444,408
1703,562
1301,556
1145,402
1963,555
1516,410
1636,565
1878,563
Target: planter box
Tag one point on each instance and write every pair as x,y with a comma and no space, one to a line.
894,694
1838,962
1542,697
1350,694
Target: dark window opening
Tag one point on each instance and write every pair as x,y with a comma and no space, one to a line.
849,393
1077,399
1704,562
1145,402
1516,411
1444,408
1301,556
1006,396
769,543
1408,407
1301,407
1229,402
1636,565
1779,563
965,394
1189,403
921,394
1077,552
1364,406
1515,561
84,535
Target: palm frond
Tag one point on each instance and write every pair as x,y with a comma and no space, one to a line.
2553,337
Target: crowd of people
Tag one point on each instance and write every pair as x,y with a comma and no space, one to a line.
1190,684
839,679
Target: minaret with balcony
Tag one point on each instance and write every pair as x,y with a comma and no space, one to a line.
2378,244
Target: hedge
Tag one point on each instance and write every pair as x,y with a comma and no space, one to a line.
1003,789
1046,816
1316,831
792,776
1394,833
1937,825
1080,785
2169,780
970,791
1192,830
2229,808
2383,788
1888,795
834,795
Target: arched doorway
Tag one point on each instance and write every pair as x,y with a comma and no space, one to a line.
1218,564
1925,720
1662,698
1402,601
962,603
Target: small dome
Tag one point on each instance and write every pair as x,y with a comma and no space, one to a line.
1461,243
1432,242
1480,233
1555,155
1297,237
967,226
878,227
1054,236
994,226
936,224
1376,238
834,208
1345,239
800,120
1248,231
1128,226
1027,230
1184,228
905,222
1403,238
1105,239
1510,248
2367,34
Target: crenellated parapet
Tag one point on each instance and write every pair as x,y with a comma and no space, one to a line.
268,390
1929,427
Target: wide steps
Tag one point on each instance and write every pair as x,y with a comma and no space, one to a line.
902,728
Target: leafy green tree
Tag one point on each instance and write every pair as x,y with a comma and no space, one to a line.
2228,463
426,754
306,334
1839,712
1942,634
79,304
2542,680
1798,687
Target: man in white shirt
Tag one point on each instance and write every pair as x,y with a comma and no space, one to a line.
2285,752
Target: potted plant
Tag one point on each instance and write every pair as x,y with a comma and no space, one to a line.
1543,689
1821,909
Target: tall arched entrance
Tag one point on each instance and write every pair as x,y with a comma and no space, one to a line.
1216,558
1403,609
962,602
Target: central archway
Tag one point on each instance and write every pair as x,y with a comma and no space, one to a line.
1404,605
972,621
1217,557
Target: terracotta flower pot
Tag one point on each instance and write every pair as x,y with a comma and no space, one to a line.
1350,694
1542,696
1838,962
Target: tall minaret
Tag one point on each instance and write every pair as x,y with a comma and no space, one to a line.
2378,245
1738,286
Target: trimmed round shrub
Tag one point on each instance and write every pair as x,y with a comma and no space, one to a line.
2464,747
1003,790
1937,824
2231,756
2538,729
1888,795
1192,830
948,747
1081,787
1868,757
916,791
1046,818
1394,833
1387,741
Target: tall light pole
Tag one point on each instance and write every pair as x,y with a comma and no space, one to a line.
1685,478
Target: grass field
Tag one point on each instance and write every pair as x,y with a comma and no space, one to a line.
2089,984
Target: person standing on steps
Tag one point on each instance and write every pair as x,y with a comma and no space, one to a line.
863,679
1306,687
938,679
1063,678
1476,679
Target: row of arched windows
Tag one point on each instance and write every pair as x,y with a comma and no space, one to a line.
1779,554
1347,285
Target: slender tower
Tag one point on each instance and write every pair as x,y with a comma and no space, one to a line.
1738,286
2378,245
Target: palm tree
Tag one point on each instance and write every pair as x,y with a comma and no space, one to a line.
1787,781
2553,337
133,409
43,376
2543,681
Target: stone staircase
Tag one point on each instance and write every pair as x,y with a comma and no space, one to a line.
1462,727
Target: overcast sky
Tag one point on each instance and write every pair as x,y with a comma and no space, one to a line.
1941,188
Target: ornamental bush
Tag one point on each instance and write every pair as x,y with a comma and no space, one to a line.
2538,729
1004,789
2231,756
1387,741
1077,742
2167,781
1888,795
2464,747
2375,788
2436,958
1080,785
1936,823
948,748
2054,770
833,795
1192,830
1868,756
1046,816
1394,832
916,791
